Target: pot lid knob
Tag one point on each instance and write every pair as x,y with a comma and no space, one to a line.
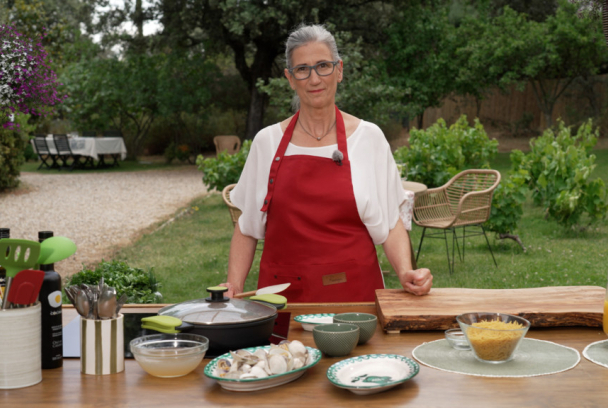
217,294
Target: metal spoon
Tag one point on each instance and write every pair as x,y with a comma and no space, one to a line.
106,305
123,299
83,305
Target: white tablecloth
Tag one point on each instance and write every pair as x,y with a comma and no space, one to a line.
92,146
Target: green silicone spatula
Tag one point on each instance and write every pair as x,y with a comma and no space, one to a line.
17,255
55,249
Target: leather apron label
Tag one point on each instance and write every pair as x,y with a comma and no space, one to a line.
334,278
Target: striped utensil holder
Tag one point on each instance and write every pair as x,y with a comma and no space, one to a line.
102,346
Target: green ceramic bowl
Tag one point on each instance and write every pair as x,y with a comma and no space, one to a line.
366,322
336,339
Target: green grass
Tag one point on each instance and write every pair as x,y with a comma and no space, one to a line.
192,253
125,166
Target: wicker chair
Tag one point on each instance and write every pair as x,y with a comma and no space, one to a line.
465,200
232,144
235,213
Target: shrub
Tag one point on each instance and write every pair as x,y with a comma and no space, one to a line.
560,165
11,155
224,170
440,152
139,285
181,152
507,205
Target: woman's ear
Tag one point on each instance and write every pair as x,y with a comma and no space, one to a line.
340,71
290,79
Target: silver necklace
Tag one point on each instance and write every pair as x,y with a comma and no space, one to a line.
317,137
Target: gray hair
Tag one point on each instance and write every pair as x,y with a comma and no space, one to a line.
303,35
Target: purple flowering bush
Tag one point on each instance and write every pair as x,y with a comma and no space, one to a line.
27,85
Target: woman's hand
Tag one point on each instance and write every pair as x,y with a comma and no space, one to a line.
418,282
232,290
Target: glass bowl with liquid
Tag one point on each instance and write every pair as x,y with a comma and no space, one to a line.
169,355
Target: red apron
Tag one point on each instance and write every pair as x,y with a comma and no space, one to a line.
315,238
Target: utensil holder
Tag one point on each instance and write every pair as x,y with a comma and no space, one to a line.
102,346
20,349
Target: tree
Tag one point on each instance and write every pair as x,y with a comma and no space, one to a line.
549,54
419,56
255,33
131,93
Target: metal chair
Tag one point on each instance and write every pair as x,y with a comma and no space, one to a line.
44,153
232,144
235,213
64,151
465,200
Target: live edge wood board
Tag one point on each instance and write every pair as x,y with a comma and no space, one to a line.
543,307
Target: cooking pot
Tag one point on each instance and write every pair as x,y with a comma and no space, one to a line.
229,324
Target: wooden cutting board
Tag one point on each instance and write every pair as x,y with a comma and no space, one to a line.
543,307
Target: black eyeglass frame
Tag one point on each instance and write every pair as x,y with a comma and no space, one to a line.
311,67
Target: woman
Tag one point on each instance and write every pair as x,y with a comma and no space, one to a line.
321,188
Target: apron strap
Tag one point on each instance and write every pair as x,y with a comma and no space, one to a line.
341,135
277,160
280,153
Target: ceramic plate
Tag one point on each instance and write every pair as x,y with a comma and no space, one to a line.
311,320
254,384
372,373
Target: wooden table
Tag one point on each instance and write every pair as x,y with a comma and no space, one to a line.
417,188
583,386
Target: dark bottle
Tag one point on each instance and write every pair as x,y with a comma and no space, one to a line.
4,233
52,324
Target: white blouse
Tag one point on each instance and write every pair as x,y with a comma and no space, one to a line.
381,200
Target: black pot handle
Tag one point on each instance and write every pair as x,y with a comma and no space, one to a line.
184,327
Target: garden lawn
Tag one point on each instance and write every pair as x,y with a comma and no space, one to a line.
127,165
191,253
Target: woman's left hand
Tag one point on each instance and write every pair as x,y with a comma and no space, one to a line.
418,282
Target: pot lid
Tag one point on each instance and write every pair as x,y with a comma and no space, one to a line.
219,310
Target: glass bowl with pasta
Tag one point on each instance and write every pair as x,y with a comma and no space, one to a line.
494,337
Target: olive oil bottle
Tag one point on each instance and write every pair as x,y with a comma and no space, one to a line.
4,233
52,325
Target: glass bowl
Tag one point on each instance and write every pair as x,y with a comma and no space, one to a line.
457,339
169,355
498,337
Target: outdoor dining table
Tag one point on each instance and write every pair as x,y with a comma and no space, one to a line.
92,146
582,386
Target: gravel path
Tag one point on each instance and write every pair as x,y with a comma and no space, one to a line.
98,211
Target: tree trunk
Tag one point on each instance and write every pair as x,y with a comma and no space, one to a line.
261,68
255,115
421,121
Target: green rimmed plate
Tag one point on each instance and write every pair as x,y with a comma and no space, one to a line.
311,320
372,373
255,384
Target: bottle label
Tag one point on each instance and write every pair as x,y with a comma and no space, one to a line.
55,298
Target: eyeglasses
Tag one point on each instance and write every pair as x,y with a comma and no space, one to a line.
323,68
